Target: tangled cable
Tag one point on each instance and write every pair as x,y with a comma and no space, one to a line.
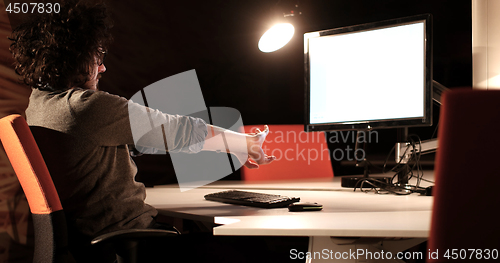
403,172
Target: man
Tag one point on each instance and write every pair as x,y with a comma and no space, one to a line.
85,134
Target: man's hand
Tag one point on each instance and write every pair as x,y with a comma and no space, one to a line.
256,155
246,147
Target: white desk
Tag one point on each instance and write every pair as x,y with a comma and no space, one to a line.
345,213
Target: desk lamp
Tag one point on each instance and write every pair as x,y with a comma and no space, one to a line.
279,34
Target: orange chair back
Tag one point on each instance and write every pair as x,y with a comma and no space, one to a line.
30,168
299,154
49,221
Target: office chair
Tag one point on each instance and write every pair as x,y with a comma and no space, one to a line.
464,214
298,154
51,239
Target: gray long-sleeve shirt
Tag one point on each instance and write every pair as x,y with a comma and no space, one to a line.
84,137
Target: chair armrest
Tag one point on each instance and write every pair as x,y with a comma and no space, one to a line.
132,235
125,242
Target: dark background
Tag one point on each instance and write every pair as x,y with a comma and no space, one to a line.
155,39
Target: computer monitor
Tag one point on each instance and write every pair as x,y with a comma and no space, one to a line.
374,75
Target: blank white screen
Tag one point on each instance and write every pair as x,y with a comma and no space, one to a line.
369,75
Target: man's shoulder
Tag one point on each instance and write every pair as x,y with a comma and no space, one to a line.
78,102
93,98
87,94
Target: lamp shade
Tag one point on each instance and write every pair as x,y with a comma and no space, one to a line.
276,37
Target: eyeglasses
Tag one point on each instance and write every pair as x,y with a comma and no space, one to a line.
102,56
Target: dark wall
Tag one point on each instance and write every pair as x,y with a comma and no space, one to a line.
155,39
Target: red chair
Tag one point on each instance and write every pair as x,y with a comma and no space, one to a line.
51,239
298,154
465,211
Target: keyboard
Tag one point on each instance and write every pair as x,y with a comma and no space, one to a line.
245,198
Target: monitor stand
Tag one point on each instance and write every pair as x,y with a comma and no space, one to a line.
403,153
402,148
401,185
365,181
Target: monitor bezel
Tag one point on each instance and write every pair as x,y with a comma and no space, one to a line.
426,120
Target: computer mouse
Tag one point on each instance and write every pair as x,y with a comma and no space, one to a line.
304,206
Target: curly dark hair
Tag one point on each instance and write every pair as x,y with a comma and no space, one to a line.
57,51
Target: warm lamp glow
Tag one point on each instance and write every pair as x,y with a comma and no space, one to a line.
276,37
